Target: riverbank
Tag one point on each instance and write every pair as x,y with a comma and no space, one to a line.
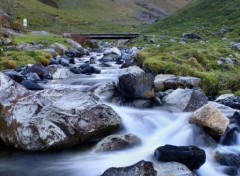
156,110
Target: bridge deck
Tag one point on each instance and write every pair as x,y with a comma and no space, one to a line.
110,36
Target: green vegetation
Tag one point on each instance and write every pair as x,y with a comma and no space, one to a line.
197,58
11,59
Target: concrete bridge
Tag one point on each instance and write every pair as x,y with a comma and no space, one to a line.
109,36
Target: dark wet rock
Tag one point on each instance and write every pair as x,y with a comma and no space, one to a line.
181,82
64,62
47,76
209,117
186,99
117,142
135,83
14,75
35,68
230,101
228,159
45,120
191,36
93,60
191,156
90,70
142,103
33,77
231,135
53,61
172,169
31,85
141,168
74,53
75,69
83,66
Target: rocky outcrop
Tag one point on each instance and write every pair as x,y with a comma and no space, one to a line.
186,99
51,119
211,119
159,81
181,82
117,142
191,36
60,48
135,83
142,168
191,156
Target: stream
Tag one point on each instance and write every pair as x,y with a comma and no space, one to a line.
156,127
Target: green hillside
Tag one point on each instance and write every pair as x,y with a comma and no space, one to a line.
89,15
217,22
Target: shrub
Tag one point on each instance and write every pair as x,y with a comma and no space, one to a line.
8,64
17,26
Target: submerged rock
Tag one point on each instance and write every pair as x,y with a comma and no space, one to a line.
191,156
228,159
117,142
135,83
186,99
142,168
51,119
211,119
31,85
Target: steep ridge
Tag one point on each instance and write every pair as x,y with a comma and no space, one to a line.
94,15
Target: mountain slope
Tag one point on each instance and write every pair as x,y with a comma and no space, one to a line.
90,15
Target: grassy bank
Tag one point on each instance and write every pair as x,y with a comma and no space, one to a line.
197,58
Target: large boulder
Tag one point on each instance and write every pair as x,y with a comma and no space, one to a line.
182,82
209,117
117,142
159,81
135,83
191,156
36,68
172,169
186,99
58,71
60,48
51,119
142,168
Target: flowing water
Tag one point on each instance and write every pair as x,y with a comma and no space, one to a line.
156,127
